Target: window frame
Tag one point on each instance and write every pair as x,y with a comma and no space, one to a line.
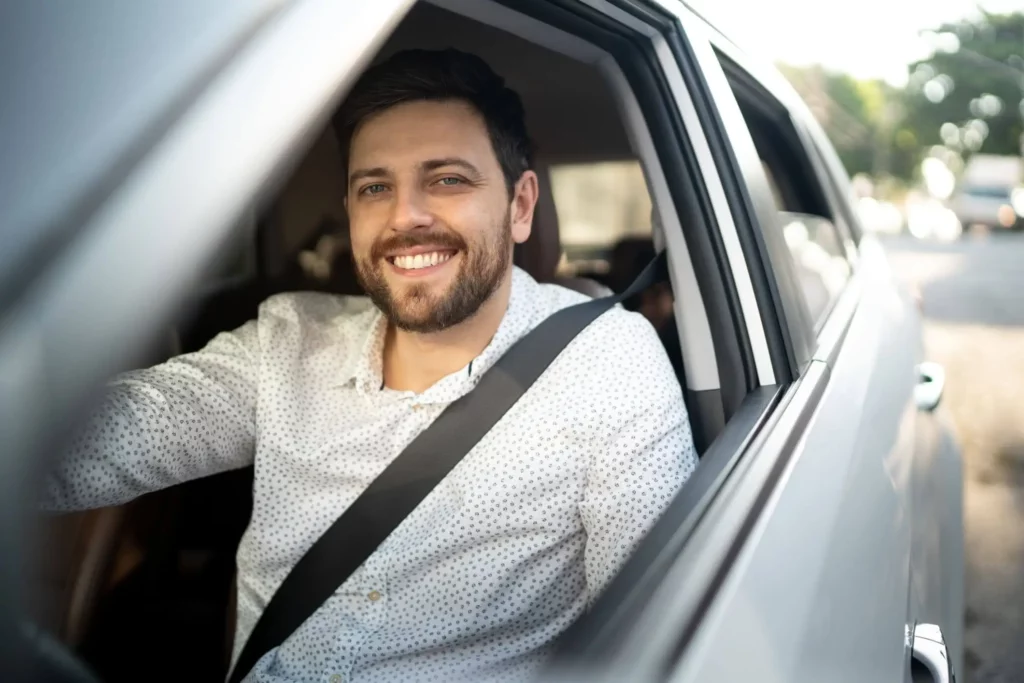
841,214
753,204
780,139
789,111
837,180
818,159
769,112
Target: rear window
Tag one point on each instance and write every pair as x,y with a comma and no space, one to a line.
599,205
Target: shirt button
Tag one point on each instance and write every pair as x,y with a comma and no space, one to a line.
336,678
374,596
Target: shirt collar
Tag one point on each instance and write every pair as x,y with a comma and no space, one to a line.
365,368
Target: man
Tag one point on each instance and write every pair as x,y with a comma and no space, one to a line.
322,392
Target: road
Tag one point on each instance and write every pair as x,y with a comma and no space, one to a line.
974,306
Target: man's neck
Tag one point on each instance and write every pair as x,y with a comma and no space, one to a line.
416,361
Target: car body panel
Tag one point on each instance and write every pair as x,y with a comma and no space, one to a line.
821,591
937,552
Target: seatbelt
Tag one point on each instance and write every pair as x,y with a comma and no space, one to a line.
403,484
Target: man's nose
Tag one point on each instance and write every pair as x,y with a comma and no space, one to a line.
410,211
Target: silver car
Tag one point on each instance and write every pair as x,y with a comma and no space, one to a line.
989,205
989,192
168,165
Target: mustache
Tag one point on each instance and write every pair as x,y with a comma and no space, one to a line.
407,240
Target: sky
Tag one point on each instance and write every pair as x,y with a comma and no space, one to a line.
865,38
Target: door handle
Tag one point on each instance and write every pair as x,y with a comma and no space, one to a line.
931,653
931,383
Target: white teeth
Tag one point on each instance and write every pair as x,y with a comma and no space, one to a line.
421,260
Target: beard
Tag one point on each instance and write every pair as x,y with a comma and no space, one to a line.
416,308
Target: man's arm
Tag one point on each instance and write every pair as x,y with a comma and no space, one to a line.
635,476
187,418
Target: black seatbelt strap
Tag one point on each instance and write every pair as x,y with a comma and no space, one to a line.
396,492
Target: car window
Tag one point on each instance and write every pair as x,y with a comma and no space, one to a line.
805,216
599,205
817,253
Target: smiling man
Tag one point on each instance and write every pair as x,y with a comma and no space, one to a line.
321,393
439,190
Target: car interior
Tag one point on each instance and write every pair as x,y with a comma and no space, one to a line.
126,586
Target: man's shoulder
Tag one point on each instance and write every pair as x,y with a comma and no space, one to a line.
619,342
613,332
618,360
624,338
549,298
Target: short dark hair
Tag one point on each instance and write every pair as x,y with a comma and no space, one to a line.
438,75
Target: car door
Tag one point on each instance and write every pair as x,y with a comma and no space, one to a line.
109,111
804,565
873,489
936,491
821,587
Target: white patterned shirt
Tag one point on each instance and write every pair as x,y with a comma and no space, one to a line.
496,562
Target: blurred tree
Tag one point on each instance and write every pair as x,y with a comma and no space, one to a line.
848,110
969,95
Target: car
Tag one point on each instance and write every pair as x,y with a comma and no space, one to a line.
167,167
990,193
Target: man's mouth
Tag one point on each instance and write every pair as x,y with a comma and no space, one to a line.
422,262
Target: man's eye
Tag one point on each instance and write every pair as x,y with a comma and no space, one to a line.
450,181
376,188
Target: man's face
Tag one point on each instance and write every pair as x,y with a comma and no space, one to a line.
432,224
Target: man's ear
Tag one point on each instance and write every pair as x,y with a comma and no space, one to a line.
524,202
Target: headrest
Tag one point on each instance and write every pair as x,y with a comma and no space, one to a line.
540,254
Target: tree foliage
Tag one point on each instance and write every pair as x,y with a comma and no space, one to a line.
967,97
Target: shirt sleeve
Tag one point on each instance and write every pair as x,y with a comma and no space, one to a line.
632,480
187,418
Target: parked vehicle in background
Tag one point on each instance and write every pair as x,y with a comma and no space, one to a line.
991,193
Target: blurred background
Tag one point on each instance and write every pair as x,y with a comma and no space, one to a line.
924,101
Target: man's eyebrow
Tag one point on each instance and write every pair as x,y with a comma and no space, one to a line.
363,173
434,164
